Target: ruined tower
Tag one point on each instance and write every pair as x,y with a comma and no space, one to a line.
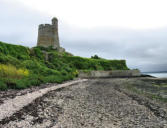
48,35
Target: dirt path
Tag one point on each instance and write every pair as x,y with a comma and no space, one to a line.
96,103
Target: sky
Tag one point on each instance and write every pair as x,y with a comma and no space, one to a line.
134,30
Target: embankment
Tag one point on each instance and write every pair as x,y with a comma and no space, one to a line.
110,74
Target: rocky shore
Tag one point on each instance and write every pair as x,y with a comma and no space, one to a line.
100,103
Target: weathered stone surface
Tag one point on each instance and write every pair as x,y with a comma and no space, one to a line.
48,35
61,49
95,103
11,106
114,73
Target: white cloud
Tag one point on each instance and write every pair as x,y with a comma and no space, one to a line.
134,14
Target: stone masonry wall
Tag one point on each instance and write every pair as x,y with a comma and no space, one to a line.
114,73
48,35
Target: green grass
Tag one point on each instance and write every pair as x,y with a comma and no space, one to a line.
58,67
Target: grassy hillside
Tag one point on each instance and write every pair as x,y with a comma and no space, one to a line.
21,67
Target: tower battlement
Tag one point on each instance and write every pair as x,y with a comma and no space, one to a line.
42,26
48,34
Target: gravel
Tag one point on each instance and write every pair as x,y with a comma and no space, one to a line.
11,106
95,103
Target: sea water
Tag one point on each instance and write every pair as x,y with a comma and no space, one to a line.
158,74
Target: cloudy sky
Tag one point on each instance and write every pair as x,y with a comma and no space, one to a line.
135,30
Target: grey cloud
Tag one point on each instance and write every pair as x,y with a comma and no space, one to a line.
143,49
19,24
140,48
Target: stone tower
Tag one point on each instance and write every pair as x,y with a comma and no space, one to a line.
48,35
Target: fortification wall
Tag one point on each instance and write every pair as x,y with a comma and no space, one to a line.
48,35
45,35
56,37
114,73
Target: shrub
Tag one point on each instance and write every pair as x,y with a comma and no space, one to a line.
95,57
50,65
10,71
21,67
14,50
32,65
75,73
63,72
36,52
35,80
53,79
68,77
22,84
3,85
6,59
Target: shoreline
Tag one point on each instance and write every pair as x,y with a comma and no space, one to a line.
119,101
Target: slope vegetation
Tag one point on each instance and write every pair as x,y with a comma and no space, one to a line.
22,67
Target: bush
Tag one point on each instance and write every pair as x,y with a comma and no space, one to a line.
36,52
6,59
64,73
35,80
14,50
95,57
21,67
53,79
50,65
22,84
3,85
10,71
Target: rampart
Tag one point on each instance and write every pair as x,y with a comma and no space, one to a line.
112,74
48,35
